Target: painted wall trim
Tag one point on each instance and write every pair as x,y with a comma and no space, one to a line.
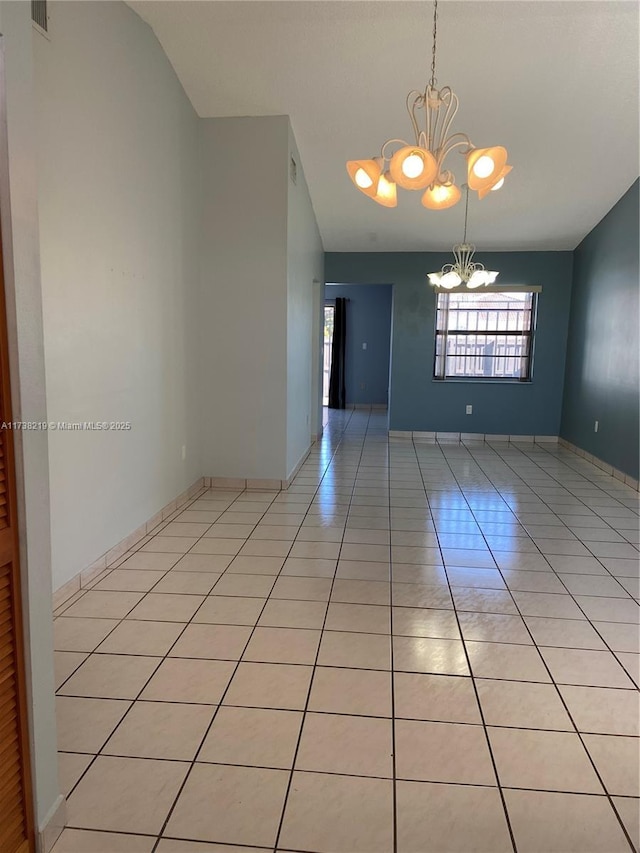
91,573
53,824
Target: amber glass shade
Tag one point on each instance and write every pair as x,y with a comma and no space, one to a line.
413,168
484,167
365,175
441,196
483,192
386,191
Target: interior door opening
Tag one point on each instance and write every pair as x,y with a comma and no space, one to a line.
356,345
329,316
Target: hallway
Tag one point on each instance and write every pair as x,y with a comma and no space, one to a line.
419,647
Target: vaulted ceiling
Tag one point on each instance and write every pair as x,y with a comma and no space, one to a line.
556,83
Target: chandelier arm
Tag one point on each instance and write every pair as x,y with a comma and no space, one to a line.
401,142
412,112
412,115
427,121
436,128
452,109
434,131
449,145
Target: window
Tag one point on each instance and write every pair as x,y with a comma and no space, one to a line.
487,335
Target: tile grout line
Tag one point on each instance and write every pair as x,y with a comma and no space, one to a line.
579,498
362,439
471,673
133,550
127,614
608,795
573,596
546,556
393,676
570,454
161,660
305,710
220,704
577,732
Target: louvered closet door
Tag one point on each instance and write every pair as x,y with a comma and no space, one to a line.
16,822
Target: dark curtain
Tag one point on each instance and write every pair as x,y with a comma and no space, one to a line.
337,394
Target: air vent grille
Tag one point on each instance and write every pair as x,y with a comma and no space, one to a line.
39,13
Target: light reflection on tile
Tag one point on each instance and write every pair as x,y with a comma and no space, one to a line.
400,576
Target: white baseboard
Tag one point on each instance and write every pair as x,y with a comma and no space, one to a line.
286,483
257,484
53,824
448,437
599,463
373,407
86,576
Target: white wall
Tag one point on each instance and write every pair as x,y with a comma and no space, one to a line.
113,183
19,210
119,213
305,264
243,298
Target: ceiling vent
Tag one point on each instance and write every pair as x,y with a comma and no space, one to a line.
39,14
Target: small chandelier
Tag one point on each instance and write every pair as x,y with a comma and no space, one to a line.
464,270
420,166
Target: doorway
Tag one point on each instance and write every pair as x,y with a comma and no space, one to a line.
329,318
367,348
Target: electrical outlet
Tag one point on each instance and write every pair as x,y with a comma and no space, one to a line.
595,426
362,386
469,410
184,451
364,346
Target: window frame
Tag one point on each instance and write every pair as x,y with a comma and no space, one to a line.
533,290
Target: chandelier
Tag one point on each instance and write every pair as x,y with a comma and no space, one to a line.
464,270
420,165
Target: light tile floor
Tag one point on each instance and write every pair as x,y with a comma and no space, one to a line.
419,647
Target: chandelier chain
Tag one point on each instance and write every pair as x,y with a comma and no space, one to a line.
433,52
421,163
466,214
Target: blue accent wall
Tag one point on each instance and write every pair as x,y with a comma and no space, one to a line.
420,403
368,321
602,372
